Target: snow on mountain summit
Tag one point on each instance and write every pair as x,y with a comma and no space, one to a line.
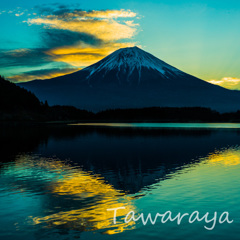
126,60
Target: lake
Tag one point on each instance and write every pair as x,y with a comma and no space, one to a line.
58,181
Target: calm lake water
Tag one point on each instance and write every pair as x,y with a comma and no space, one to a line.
58,182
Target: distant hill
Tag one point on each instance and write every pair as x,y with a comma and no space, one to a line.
133,78
19,104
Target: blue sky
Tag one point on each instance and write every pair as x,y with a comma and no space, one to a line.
199,37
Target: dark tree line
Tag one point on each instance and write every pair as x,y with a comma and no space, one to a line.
13,97
18,104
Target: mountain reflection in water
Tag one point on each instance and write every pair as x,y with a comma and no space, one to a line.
75,199
62,179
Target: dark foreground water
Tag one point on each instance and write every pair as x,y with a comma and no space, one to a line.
58,182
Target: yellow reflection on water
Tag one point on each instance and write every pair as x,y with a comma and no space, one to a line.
88,196
229,157
82,185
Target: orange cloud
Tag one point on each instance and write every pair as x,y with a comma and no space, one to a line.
227,82
84,56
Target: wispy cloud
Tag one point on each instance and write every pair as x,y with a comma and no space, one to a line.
19,14
72,36
42,74
131,23
24,57
227,82
101,24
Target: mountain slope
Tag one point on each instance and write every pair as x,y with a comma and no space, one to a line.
133,78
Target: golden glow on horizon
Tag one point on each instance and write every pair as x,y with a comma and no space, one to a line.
227,82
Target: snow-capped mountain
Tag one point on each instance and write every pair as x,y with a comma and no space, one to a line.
127,60
132,78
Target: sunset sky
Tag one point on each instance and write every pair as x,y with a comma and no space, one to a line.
44,39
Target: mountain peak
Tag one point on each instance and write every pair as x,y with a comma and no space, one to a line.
129,60
135,48
130,52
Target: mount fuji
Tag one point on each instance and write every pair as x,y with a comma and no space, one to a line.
132,78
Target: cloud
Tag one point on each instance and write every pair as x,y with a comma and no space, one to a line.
84,56
131,23
108,14
19,14
55,8
106,29
227,82
24,57
53,38
50,39
42,74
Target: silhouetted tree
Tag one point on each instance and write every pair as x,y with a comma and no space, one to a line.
46,104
